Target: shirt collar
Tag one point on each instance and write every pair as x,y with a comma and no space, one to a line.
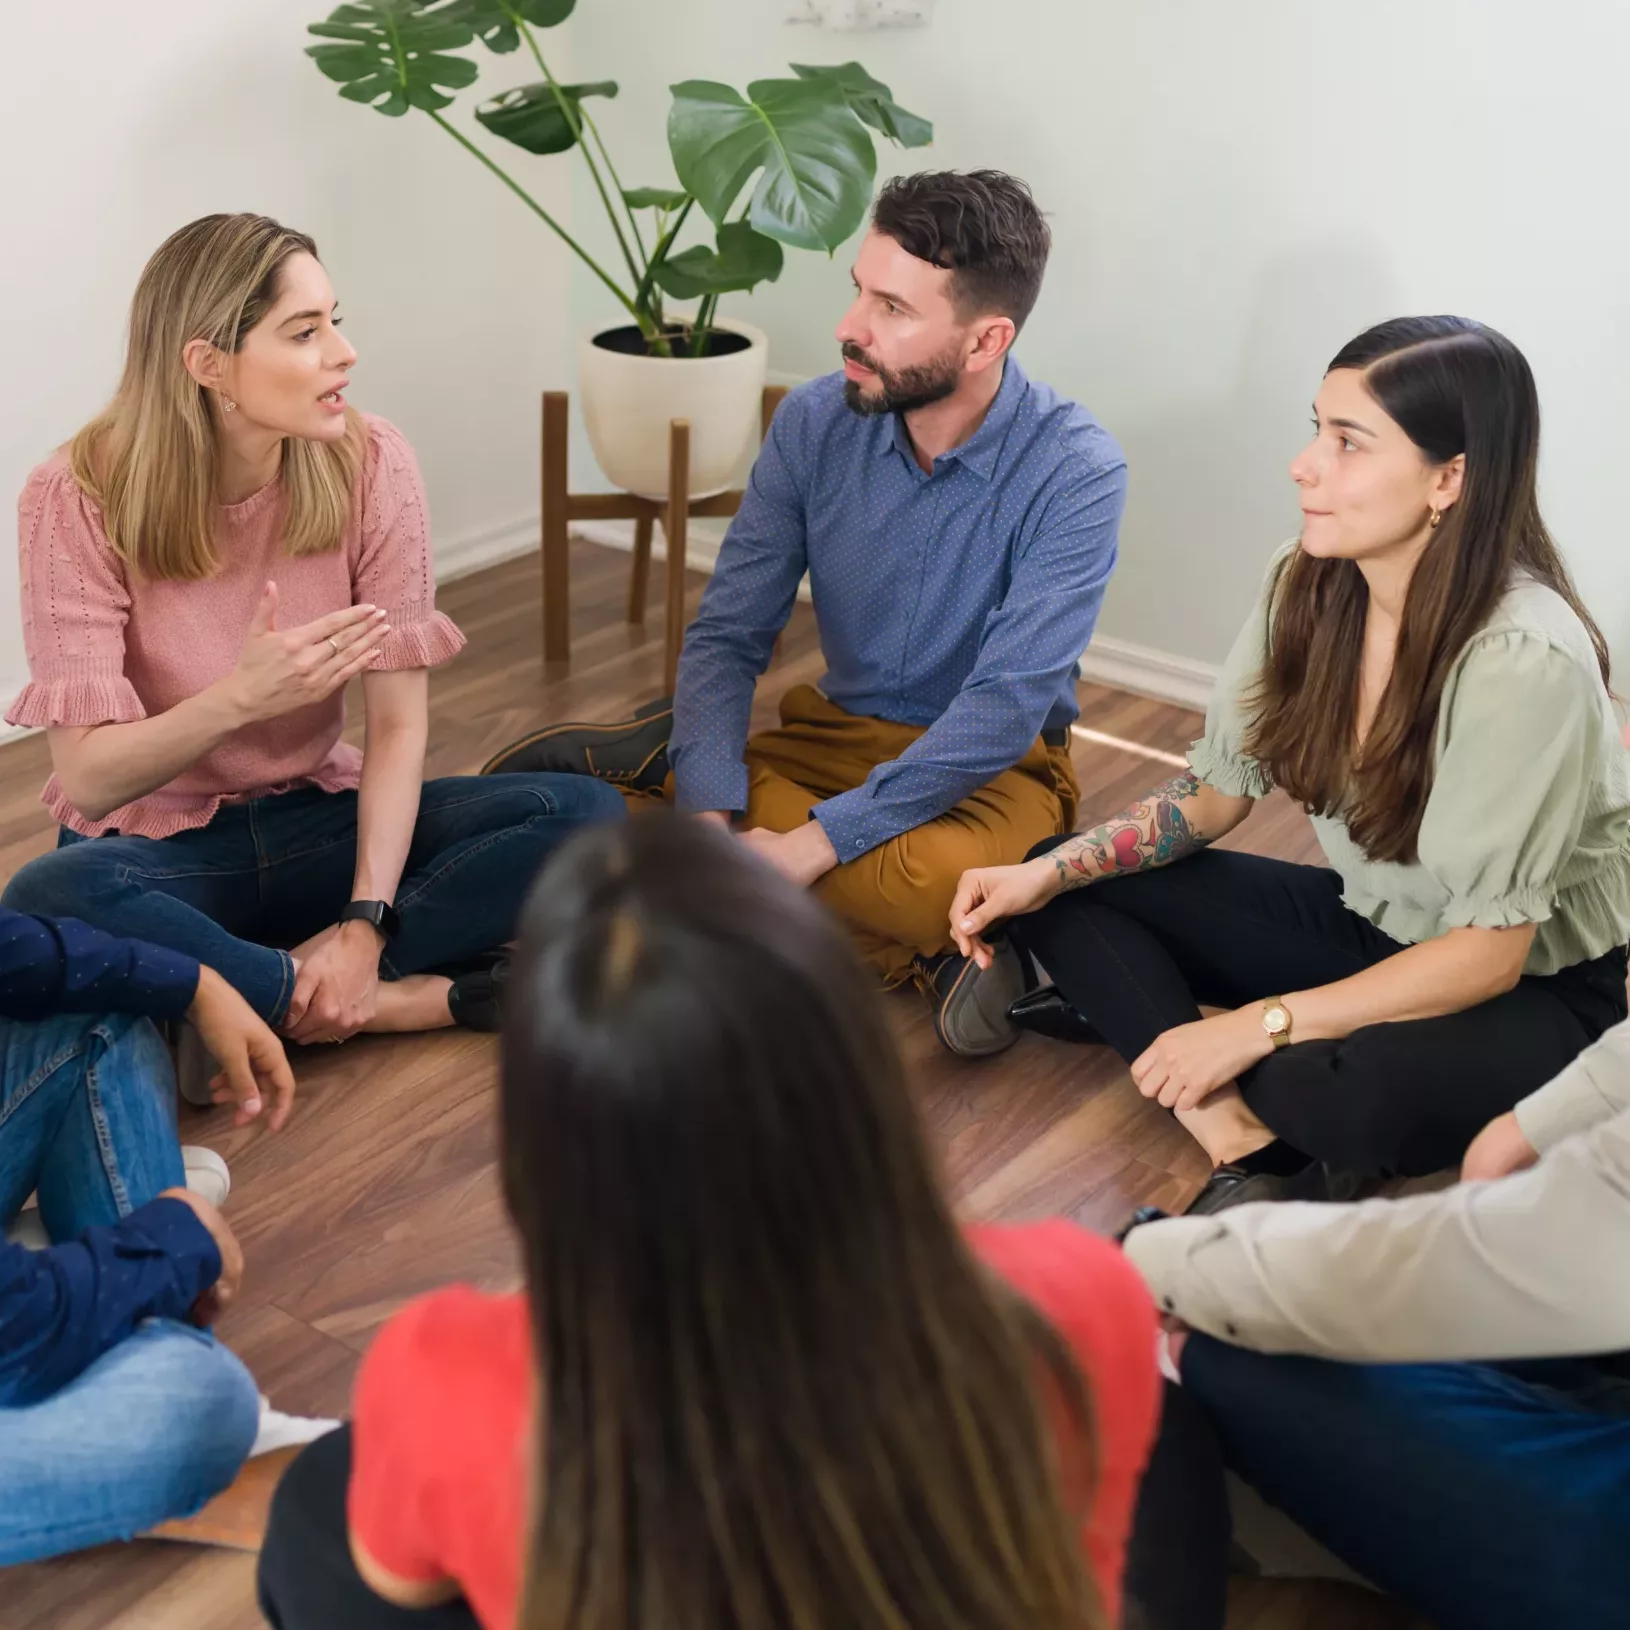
983,448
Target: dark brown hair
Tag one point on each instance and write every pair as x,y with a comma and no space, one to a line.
775,1390
1453,386
982,224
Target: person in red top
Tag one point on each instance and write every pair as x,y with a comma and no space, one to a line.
759,1376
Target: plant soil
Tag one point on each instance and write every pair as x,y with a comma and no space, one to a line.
721,342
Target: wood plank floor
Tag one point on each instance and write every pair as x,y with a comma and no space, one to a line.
383,1185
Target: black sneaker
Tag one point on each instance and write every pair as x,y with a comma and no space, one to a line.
632,754
477,997
971,1003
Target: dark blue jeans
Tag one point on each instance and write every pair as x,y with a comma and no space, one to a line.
1487,1497
267,874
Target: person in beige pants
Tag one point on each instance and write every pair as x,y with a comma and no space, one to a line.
1437,1387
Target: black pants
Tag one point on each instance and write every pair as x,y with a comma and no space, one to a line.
1138,955
307,1580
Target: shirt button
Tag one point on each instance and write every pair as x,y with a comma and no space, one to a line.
1231,1329
1167,1303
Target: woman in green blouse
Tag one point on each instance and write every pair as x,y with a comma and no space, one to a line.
1422,677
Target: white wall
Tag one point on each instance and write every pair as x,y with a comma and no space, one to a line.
121,122
1236,189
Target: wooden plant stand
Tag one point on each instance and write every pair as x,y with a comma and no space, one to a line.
561,507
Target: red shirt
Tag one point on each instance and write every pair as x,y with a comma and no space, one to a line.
441,1443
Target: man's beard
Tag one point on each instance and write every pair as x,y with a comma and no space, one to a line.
904,391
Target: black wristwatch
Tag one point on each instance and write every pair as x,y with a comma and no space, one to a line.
376,914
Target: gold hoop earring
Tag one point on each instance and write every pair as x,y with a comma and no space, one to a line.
229,406
1432,525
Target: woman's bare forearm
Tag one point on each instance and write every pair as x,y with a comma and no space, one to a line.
392,776
1455,971
103,767
1177,818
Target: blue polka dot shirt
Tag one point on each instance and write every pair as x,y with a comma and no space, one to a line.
959,600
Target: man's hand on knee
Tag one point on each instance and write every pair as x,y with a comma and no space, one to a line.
803,855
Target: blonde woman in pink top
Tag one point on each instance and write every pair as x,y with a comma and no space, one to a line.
204,569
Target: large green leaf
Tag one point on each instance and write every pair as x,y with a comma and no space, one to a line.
653,197
873,101
743,260
532,117
393,54
816,158
496,23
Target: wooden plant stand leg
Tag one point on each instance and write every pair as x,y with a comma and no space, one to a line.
556,505
675,526
640,576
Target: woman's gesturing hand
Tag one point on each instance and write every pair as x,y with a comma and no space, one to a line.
281,670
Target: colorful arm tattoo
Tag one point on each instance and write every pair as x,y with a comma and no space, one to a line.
1154,832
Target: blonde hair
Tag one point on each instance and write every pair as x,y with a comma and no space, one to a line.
150,458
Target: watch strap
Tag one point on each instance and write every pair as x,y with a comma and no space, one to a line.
379,915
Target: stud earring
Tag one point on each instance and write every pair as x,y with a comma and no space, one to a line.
229,406
1432,525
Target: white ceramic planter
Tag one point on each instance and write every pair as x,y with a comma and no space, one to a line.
629,401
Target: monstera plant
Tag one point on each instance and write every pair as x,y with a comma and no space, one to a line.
791,162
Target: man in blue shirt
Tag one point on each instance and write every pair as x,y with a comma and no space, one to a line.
957,524
117,1411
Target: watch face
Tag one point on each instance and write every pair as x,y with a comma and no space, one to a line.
1276,1019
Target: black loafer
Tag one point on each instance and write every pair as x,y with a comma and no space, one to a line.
632,754
1044,1012
1236,1186
476,999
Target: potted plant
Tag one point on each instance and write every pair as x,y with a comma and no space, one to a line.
808,141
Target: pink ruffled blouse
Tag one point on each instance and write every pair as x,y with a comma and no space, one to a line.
107,647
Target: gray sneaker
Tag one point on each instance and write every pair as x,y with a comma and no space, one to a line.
971,1002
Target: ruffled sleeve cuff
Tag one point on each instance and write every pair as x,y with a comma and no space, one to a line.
1517,908
425,642
1233,774
79,699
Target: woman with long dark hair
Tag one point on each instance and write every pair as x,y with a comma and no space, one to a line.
1421,676
758,1376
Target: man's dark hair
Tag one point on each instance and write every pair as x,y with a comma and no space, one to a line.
982,225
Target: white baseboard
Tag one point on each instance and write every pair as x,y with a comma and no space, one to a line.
487,546
1140,668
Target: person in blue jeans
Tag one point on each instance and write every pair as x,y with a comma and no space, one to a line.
118,1409
1436,1388
205,569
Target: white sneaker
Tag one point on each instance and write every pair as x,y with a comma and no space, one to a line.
207,1174
280,1431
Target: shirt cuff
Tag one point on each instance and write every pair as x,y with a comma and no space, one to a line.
164,983
700,786
855,822
1163,1252
1571,1102
171,1228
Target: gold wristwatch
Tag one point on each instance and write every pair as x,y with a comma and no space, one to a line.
1276,1021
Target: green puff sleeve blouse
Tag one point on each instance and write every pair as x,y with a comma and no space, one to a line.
1528,820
